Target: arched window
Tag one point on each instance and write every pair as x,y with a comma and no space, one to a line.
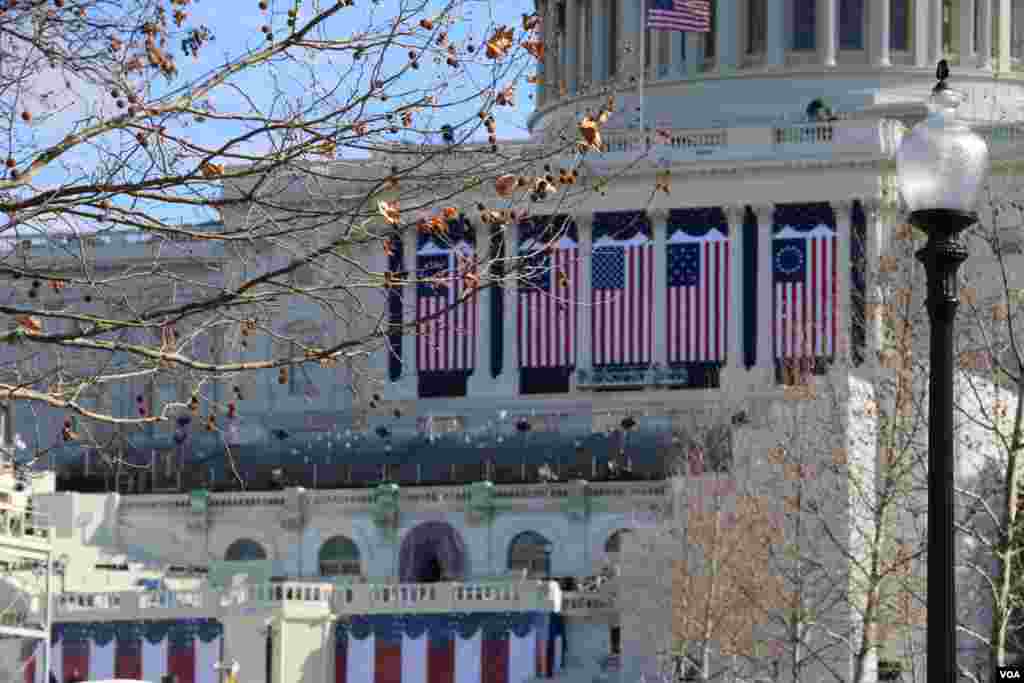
613,545
339,556
532,552
245,550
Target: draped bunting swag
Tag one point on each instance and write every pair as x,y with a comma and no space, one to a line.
396,266
143,650
496,647
621,225
858,283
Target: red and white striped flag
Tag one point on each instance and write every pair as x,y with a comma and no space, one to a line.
623,301
447,333
805,308
698,297
548,305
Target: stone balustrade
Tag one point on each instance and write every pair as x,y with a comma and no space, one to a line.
409,497
339,598
580,604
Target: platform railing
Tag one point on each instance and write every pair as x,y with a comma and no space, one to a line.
340,598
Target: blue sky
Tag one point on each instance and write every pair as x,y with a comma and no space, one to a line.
236,25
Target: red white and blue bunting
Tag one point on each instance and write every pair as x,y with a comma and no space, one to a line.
143,650
495,647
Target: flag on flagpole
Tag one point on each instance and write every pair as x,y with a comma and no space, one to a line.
680,15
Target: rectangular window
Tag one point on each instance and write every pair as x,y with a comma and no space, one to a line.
756,25
613,38
851,24
615,640
804,24
586,45
709,38
898,24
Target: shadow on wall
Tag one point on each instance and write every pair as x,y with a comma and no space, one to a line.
316,664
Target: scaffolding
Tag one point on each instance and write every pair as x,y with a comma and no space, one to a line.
25,550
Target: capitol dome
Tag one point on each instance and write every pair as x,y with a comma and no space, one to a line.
767,60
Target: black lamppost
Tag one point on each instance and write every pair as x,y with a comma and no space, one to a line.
941,168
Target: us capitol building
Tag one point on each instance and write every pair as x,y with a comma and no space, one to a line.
479,514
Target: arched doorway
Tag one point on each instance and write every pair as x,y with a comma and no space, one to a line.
245,550
339,556
432,552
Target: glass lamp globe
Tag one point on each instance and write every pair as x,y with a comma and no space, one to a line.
941,163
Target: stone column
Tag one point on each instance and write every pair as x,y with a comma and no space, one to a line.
873,250
965,32
480,382
827,31
694,54
935,23
659,225
598,41
631,62
726,35
735,214
921,33
407,386
676,67
763,299
508,383
878,31
585,348
843,304
582,44
1004,35
775,33
985,35
552,91
572,34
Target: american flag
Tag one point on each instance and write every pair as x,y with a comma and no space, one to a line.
804,313
680,15
623,300
698,297
447,341
548,305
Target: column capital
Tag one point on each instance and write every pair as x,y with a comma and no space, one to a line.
872,206
734,212
842,205
763,210
659,214
581,218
